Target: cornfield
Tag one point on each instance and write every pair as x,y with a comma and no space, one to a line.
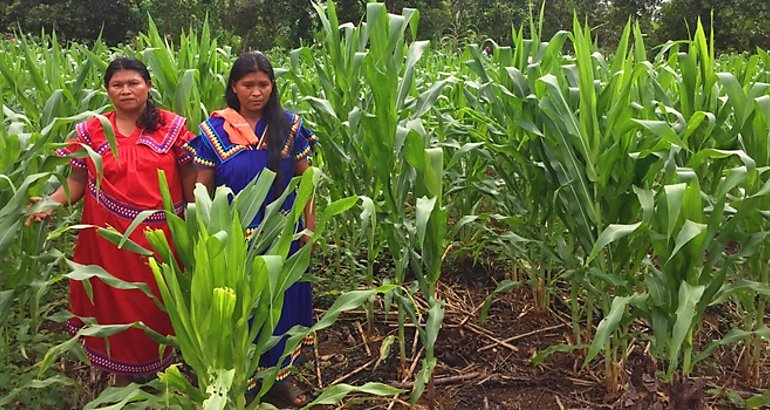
627,189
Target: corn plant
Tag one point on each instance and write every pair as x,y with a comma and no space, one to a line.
44,85
223,283
687,235
504,113
623,177
25,132
191,80
689,270
577,126
377,148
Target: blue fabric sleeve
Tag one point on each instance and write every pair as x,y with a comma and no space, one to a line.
203,155
304,141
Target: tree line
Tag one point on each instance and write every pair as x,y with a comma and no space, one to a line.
739,25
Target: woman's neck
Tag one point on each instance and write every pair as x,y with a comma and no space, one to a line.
251,117
129,115
126,121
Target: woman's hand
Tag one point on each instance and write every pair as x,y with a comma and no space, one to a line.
76,184
37,216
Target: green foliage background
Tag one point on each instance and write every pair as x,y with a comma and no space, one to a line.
741,25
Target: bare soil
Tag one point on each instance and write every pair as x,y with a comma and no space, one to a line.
488,366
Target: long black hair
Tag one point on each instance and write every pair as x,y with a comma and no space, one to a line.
278,124
150,119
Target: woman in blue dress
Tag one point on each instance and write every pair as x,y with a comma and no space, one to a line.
235,145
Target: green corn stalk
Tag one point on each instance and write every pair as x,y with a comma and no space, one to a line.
212,295
227,284
579,153
586,151
190,81
505,111
689,271
369,151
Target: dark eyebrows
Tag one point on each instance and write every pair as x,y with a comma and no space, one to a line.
131,81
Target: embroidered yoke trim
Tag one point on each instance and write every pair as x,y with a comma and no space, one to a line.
82,132
127,211
168,139
296,122
190,149
216,142
303,154
74,162
121,368
225,153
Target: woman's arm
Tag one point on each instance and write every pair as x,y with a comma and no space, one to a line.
207,177
76,183
188,175
309,213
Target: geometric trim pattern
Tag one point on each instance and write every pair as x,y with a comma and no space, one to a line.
224,150
216,142
127,211
117,367
168,139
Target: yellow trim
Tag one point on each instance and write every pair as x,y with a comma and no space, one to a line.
294,128
217,144
303,154
189,148
204,162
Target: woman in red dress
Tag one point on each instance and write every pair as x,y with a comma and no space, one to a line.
148,139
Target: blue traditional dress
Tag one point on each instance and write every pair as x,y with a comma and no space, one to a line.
235,166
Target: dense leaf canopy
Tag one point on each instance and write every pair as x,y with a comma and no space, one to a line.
740,25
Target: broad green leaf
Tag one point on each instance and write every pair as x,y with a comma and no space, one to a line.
6,297
674,199
503,287
46,383
758,401
335,394
218,388
607,326
425,207
335,208
136,222
689,297
611,234
541,355
422,378
120,397
689,231
85,272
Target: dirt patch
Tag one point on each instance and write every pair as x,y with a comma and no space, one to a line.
477,367
488,366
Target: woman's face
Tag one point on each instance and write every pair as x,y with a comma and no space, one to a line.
128,91
253,91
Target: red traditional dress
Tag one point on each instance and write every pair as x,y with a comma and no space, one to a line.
129,185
